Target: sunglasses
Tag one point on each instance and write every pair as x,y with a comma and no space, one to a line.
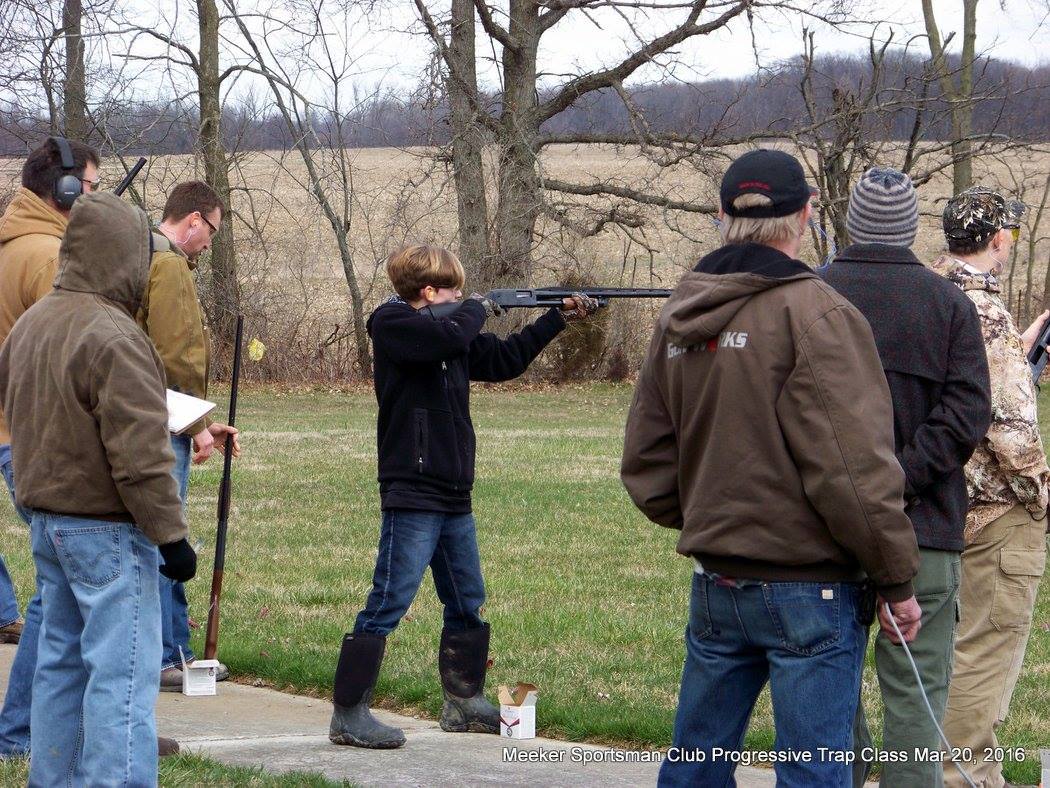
1015,232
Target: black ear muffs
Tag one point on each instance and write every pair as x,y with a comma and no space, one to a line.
68,186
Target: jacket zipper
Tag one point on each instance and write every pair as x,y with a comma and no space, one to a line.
419,440
448,399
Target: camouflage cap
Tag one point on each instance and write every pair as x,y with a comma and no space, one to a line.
979,213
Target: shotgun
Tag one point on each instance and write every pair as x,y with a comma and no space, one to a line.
1039,355
526,298
211,637
124,184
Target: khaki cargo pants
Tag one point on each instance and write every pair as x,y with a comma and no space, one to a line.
1000,578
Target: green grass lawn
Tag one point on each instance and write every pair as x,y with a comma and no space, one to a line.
587,599
189,771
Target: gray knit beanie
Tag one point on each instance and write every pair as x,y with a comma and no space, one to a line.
883,209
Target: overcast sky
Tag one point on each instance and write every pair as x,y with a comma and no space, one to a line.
582,42
389,50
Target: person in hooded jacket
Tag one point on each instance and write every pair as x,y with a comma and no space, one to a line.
761,428
31,231
83,389
424,363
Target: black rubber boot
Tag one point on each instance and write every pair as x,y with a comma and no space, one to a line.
355,678
462,662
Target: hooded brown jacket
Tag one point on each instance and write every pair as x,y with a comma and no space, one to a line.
762,427
30,235
84,388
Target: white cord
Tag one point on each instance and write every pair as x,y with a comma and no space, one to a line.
922,691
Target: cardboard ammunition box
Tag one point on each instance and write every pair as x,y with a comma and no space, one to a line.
517,712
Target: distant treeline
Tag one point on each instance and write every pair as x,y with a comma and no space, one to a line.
1009,99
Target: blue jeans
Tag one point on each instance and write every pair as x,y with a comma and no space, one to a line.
410,541
96,678
14,719
804,638
174,611
8,602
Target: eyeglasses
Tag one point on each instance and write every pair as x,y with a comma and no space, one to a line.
93,184
1015,232
214,229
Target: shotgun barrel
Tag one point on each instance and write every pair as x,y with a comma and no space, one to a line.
211,637
124,184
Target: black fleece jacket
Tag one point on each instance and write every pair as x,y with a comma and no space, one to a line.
929,339
423,369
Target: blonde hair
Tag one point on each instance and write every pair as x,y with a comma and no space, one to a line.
412,267
743,229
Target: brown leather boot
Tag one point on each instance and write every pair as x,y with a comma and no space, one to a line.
166,747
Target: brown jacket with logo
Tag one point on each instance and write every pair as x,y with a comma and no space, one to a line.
171,315
30,234
84,388
762,428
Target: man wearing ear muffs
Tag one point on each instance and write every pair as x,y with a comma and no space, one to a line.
31,229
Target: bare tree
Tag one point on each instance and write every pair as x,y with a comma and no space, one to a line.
959,91
74,92
327,161
204,66
515,120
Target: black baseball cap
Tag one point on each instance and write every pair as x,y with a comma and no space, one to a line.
771,173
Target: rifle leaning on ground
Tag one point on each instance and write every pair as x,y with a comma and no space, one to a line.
211,637
529,298
1039,355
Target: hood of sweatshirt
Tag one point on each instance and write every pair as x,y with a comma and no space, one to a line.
28,214
707,298
106,250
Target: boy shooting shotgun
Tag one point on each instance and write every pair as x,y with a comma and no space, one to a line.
424,362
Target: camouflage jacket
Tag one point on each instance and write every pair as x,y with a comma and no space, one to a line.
1009,466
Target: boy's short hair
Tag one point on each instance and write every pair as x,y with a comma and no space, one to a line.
746,229
191,196
414,266
43,167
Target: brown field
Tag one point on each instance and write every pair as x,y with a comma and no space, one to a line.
292,278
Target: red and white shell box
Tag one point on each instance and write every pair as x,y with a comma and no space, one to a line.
517,712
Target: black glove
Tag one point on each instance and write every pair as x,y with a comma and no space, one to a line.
180,562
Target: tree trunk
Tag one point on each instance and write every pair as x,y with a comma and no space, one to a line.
962,109
74,94
225,290
519,184
468,141
960,97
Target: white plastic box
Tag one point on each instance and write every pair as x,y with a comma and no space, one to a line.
198,677
517,712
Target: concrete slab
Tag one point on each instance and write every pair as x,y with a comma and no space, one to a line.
255,726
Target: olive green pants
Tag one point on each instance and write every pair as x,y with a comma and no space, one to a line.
1000,580
907,726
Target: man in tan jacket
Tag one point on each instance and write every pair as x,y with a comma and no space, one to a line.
1007,477
84,391
762,429
171,316
31,231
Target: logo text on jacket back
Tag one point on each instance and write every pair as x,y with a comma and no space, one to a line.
727,339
